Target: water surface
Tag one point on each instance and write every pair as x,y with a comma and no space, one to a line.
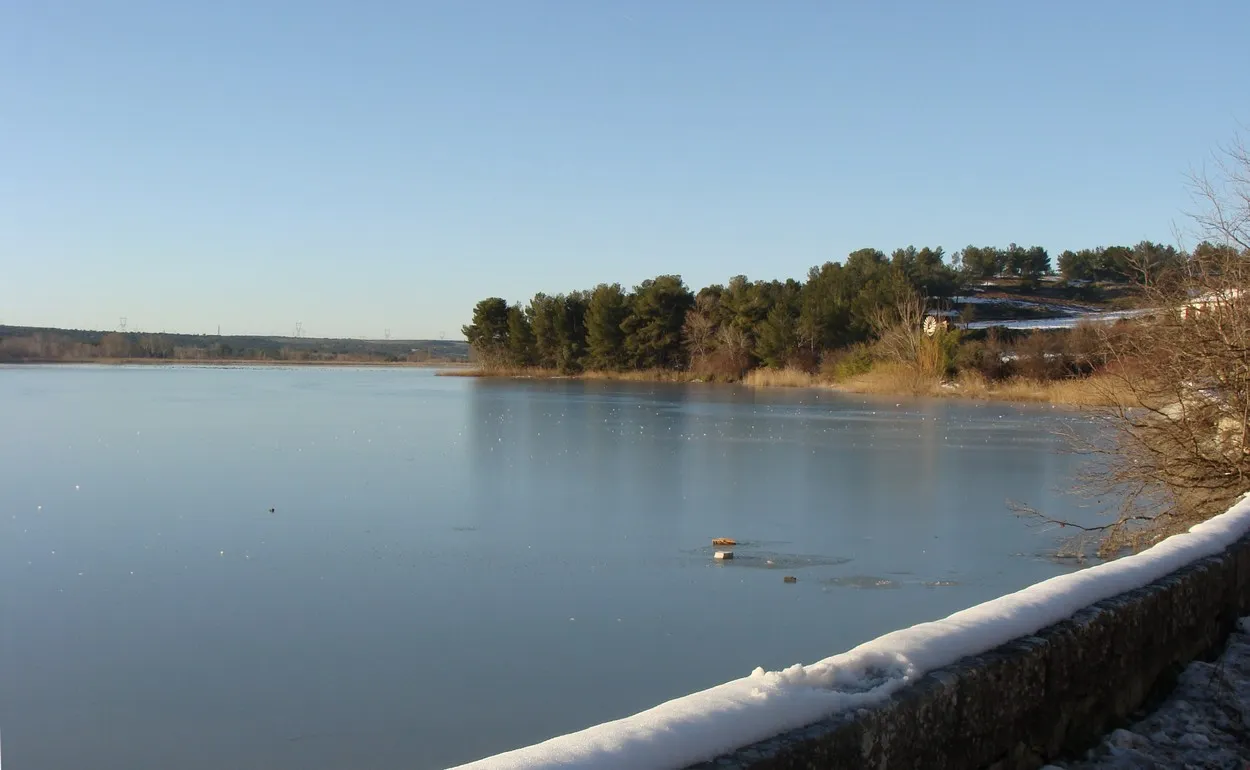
456,567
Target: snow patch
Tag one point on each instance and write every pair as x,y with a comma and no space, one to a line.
1203,723
1025,304
707,724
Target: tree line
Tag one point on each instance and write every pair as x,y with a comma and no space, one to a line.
728,329
1137,264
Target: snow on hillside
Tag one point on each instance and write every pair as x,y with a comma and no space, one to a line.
1025,304
706,724
1064,316
1066,322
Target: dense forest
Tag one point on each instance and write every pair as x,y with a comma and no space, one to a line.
25,344
723,331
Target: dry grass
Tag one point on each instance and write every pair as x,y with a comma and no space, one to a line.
892,379
790,377
1095,390
467,371
643,375
884,379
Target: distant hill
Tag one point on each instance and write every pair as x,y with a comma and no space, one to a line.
24,343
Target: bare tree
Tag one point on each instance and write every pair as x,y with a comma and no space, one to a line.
897,326
901,338
1175,448
699,334
1224,197
733,349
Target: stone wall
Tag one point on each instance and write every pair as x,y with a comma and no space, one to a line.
1035,698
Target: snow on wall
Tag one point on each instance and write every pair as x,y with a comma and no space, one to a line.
703,725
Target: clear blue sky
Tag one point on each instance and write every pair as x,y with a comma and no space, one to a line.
366,165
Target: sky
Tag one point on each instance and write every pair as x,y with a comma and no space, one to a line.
362,166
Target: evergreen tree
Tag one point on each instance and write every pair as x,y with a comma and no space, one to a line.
777,339
520,338
545,313
981,261
571,331
488,334
824,309
653,328
606,310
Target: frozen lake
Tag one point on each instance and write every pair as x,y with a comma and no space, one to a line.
456,567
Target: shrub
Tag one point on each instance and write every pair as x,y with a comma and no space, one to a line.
984,358
848,362
1040,356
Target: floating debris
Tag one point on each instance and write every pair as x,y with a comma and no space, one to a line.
789,579
724,541
723,555
271,510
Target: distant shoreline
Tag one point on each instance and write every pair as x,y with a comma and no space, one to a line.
450,365
1086,391
36,345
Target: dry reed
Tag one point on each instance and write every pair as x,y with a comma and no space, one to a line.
790,377
883,379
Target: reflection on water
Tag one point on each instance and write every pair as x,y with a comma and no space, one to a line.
457,567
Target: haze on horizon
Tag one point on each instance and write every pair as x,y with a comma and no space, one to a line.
360,167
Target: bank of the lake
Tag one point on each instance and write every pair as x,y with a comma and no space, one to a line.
1094,390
